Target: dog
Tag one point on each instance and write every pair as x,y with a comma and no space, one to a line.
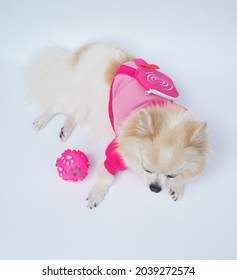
161,140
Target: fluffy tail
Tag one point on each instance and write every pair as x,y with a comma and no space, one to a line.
76,84
48,75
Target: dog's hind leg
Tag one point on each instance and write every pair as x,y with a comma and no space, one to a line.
43,120
68,127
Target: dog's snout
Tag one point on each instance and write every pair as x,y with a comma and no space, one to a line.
155,188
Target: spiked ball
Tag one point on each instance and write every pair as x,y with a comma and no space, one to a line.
72,165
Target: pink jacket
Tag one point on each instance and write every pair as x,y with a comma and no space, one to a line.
135,86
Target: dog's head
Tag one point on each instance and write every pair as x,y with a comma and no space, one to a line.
164,144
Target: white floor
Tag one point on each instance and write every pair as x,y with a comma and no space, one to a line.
43,217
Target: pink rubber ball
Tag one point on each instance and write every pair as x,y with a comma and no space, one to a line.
73,165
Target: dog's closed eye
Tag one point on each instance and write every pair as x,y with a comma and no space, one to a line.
171,176
148,171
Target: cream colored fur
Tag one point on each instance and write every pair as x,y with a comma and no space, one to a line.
157,143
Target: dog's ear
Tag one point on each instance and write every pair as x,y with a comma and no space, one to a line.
145,125
196,133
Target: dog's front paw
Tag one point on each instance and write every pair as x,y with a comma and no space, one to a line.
100,190
176,192
95,197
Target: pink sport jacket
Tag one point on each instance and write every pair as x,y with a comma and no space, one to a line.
135,86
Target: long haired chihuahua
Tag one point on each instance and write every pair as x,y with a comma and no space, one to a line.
128,101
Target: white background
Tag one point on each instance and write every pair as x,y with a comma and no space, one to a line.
43,217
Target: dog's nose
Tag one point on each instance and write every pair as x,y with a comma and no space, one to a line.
155,188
